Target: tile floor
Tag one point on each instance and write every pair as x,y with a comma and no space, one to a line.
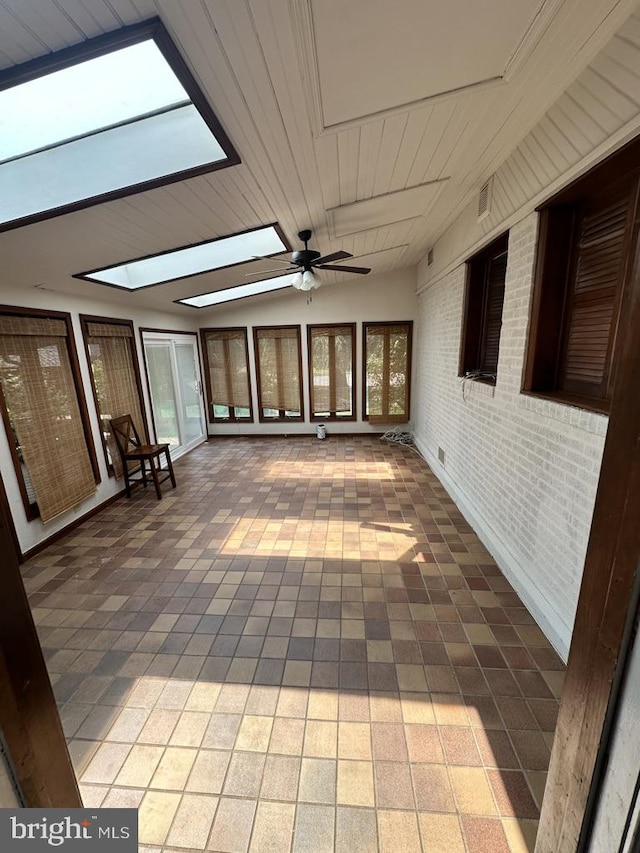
304,647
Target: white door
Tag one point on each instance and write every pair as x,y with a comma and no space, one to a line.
176,390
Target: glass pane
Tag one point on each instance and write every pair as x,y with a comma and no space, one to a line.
374,378
398,373
163,397
238,292
241,412
188,382
321,377
220,411
86,97
194,259
123,156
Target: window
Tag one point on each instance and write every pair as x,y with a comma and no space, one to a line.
331,380
387,365
240,291
226,366
115,379
586,250
192,260
102,119
44,412
484,297
278,369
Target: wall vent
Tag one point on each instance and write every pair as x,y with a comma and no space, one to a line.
441,456
429,257
484,199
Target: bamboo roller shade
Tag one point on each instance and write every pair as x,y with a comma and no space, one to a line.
114,376
40,394
279,359
228,372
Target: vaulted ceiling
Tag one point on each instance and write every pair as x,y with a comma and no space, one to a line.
371,122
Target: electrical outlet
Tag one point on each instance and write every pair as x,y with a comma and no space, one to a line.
441,456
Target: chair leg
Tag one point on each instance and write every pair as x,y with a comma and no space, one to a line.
143,472
156,482
127,485
170,468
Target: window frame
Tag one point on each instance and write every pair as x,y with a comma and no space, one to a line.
392,418
473,338
230,293
31,510
556,252
207,377
98,46
256,354
85,319
332,416
90,275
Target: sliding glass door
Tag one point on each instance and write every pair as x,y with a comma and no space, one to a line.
176,390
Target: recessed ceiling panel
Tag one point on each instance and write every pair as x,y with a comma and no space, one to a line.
374,55
384,209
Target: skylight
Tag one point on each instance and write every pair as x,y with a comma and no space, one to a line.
101,120
240,292
191,260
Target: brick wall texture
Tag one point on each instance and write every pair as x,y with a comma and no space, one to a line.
528,468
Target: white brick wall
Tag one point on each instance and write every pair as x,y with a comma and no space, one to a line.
524,471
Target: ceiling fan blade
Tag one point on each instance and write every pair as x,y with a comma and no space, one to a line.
359,270
334,256
271,269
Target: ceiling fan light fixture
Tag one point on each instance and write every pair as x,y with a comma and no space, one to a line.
297,281
309,280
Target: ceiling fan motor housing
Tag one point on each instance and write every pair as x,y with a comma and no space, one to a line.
304,257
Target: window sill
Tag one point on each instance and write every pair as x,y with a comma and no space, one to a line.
296,420
597,407
577,412
481,387
333,418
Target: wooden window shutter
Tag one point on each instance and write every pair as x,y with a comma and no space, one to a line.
593,299
496,271
482,315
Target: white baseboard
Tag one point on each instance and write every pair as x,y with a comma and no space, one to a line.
549,620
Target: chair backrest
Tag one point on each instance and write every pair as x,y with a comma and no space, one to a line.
125,434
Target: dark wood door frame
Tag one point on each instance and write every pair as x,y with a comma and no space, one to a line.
29,719
606,605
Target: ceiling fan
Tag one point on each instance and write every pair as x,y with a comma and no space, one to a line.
304,261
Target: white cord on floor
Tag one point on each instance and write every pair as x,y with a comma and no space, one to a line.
398,436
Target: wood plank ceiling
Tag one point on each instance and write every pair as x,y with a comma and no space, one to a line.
272,71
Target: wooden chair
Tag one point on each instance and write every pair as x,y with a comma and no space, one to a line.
133,451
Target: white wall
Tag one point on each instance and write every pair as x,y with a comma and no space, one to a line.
388,296
30,533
